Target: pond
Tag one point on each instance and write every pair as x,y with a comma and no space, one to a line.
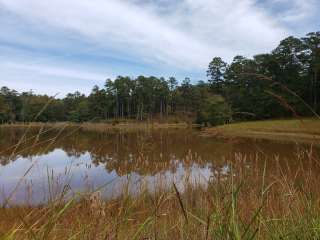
37,164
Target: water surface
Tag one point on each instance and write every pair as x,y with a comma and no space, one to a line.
46,160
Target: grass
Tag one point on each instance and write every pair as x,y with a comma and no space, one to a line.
302,130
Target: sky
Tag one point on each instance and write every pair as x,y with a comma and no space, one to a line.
61,46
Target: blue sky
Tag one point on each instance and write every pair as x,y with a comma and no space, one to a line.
65,45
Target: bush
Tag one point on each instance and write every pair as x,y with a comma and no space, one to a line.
214,111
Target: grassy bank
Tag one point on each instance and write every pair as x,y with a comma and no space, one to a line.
304,130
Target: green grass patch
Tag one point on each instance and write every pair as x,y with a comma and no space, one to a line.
302,130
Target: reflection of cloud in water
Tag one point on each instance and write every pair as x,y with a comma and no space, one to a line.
82,175
191,175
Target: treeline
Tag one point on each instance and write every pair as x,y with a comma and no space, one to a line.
279,84
274,85
141,98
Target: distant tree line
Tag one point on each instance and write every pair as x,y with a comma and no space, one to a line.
274,85
141,98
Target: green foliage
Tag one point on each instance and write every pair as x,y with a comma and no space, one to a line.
4,110
214,111
216,72
275,85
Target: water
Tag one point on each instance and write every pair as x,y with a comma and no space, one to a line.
118,161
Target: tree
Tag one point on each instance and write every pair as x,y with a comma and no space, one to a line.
72,102
98,103
4,110
214,111
312,43
14,102
172,83
216,71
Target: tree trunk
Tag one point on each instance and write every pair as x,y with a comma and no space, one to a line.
128,108
315,90
122,111
161,109
138,112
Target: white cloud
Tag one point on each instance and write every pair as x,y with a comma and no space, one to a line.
48,78
187,37
66,45
54,71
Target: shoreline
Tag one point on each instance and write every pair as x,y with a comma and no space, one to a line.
293,130
104,126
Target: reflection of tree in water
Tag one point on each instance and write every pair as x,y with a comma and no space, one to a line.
146,153
143,152
14,143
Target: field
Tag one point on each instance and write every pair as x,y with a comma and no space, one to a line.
303,130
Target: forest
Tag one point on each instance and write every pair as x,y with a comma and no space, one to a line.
279,84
